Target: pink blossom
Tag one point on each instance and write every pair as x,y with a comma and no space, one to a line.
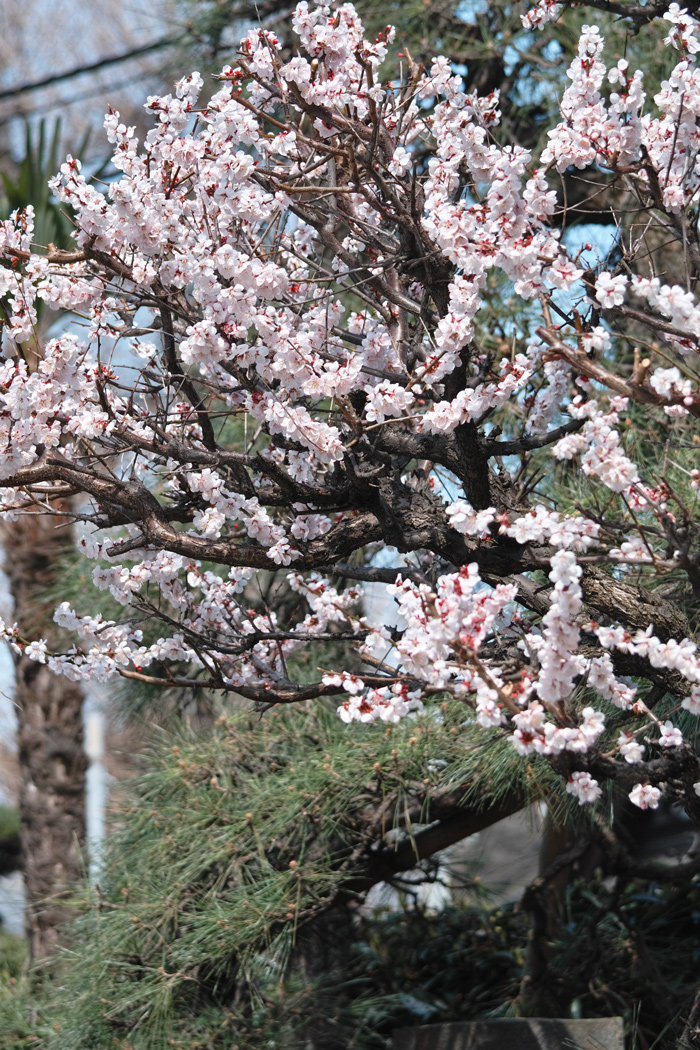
584,787
645,796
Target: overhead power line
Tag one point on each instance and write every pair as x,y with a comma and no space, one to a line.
91,67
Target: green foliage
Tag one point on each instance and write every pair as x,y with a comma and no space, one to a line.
42,159
13,955
459,964
22,998
9,823
24,1013
234,842
30,187
628,948
212,925
631,949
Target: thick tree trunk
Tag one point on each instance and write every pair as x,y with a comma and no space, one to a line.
50,735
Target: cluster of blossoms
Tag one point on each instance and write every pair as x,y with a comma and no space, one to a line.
224,411
543,12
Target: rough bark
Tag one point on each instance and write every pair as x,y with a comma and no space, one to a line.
50,736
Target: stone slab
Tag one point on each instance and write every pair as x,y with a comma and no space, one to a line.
515,1034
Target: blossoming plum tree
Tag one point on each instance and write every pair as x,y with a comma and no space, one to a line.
285,364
